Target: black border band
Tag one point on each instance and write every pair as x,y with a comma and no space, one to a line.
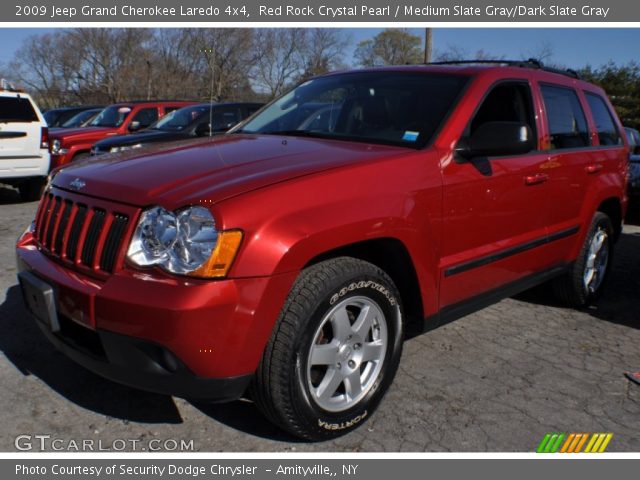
494,257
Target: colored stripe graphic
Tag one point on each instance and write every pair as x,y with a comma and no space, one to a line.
598,442
551,443
574,442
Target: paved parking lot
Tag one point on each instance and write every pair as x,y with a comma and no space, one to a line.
497,380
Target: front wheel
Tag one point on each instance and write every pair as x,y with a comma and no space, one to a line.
585,279
334,351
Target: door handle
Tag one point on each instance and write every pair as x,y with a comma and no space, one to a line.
536,179
593,168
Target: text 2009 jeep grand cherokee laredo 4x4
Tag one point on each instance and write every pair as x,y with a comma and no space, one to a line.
285,259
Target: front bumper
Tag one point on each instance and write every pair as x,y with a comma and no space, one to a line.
189,338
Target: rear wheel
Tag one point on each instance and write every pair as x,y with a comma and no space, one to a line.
584,281
31,189
334,351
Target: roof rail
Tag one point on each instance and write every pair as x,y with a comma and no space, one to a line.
529,63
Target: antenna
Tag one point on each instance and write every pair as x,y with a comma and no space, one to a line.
210,54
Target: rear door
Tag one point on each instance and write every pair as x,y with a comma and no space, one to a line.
495,208
20,127
569,145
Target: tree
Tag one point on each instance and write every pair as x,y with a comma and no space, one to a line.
107,65
46,66
322,51
455,53
393,46
622,84
280,59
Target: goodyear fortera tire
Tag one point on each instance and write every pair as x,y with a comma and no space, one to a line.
334,351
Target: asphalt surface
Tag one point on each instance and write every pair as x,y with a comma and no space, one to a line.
497,380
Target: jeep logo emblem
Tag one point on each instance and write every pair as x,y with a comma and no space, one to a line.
77,184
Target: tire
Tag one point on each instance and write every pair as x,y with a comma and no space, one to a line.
317,346
31,189
584,281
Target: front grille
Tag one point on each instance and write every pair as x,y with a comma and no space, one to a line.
88,236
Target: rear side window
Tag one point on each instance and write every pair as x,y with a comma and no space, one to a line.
606,127
17,109
565,117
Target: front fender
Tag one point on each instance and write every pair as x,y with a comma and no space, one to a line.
288,224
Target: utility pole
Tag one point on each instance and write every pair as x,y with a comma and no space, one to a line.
428,44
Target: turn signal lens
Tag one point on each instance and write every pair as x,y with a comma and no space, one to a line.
222,256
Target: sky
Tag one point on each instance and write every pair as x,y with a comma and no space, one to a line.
571,47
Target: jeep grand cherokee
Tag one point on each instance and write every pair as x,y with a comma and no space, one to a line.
285,259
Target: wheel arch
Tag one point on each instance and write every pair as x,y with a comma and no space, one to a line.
391,255
612,207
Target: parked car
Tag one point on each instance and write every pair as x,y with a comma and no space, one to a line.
634,163
24,143
288,256
82,119
56,117
118,119
188,122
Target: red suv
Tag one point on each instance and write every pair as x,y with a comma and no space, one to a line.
285,259
118,119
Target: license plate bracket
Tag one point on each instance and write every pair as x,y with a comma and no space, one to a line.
40,299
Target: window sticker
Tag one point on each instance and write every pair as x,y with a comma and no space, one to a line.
410,136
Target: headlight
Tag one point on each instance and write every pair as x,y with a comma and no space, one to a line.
185,242
55,146
124,148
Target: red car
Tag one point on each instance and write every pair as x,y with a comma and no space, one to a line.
118,119
287,257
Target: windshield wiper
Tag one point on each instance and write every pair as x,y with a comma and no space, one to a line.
296,133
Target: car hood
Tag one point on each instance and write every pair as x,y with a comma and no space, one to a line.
79,132
146,136
213,170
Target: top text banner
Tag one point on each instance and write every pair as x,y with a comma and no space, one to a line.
319,11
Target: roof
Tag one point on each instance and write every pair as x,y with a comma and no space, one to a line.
475,67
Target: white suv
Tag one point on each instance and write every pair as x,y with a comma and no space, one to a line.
24,143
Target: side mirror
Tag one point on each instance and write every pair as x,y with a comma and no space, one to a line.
134,126
493,139
203,129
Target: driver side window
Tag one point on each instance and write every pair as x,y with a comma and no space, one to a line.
507,102
146,117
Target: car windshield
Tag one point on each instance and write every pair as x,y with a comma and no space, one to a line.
180,119
399,108
78,119
113,116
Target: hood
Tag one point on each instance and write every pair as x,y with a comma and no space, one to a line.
145,136
79,133
213,170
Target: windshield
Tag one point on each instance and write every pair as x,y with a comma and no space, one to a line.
113,116
180,119
78,119
401,108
